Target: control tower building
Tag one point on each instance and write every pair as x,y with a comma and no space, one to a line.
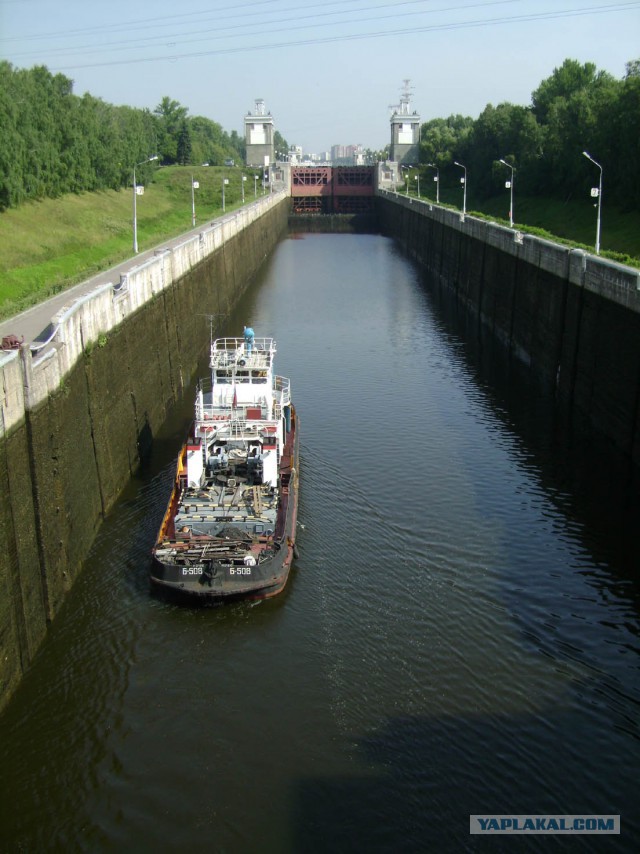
405,131
258,136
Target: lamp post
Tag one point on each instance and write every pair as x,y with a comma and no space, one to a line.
225,181
437,180
255,186
418,180
135,209
596,191
244,178
194,186
464,184
407,177
510,185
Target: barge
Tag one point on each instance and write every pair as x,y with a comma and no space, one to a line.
230,525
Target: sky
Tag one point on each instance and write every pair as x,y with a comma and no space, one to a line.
330,73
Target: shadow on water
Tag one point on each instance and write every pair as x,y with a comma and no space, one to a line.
581,471
420,779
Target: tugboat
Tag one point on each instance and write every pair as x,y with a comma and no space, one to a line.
229,529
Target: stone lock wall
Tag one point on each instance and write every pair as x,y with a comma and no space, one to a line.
573,318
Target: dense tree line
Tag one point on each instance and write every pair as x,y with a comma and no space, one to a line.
576,109
54,142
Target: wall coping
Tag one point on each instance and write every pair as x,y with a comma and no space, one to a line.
611,280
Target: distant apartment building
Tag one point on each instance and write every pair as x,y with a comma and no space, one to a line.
347,155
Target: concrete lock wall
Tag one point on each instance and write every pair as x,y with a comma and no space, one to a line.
573,318
76,417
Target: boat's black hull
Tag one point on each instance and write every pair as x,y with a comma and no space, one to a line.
225,582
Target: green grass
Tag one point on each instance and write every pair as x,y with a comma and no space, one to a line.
49,245
52,244
572,222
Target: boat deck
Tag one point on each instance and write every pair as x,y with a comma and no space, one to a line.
230,352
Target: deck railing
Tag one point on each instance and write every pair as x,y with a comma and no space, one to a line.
231,345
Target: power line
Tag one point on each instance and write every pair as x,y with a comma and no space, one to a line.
202,15
223,32
127,25
529,18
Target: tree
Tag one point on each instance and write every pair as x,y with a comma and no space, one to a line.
444,140
184,147
565,81
170,115
279,142
238,147
506,132
577,121
623,167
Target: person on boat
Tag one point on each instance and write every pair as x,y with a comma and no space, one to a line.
249,337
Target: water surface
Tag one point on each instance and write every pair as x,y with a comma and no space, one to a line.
459,635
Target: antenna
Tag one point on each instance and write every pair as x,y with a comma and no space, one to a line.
404,107
405,97
212,317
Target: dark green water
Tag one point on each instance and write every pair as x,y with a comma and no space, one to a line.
460,633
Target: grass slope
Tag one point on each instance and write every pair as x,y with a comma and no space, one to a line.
54,243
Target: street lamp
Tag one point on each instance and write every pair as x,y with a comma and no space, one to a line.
596,191
463,181
255,186
437,180
135,193
244,178
408,177
225,182
509,185
194,186
418,180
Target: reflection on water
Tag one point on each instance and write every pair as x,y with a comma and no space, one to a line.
460,634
